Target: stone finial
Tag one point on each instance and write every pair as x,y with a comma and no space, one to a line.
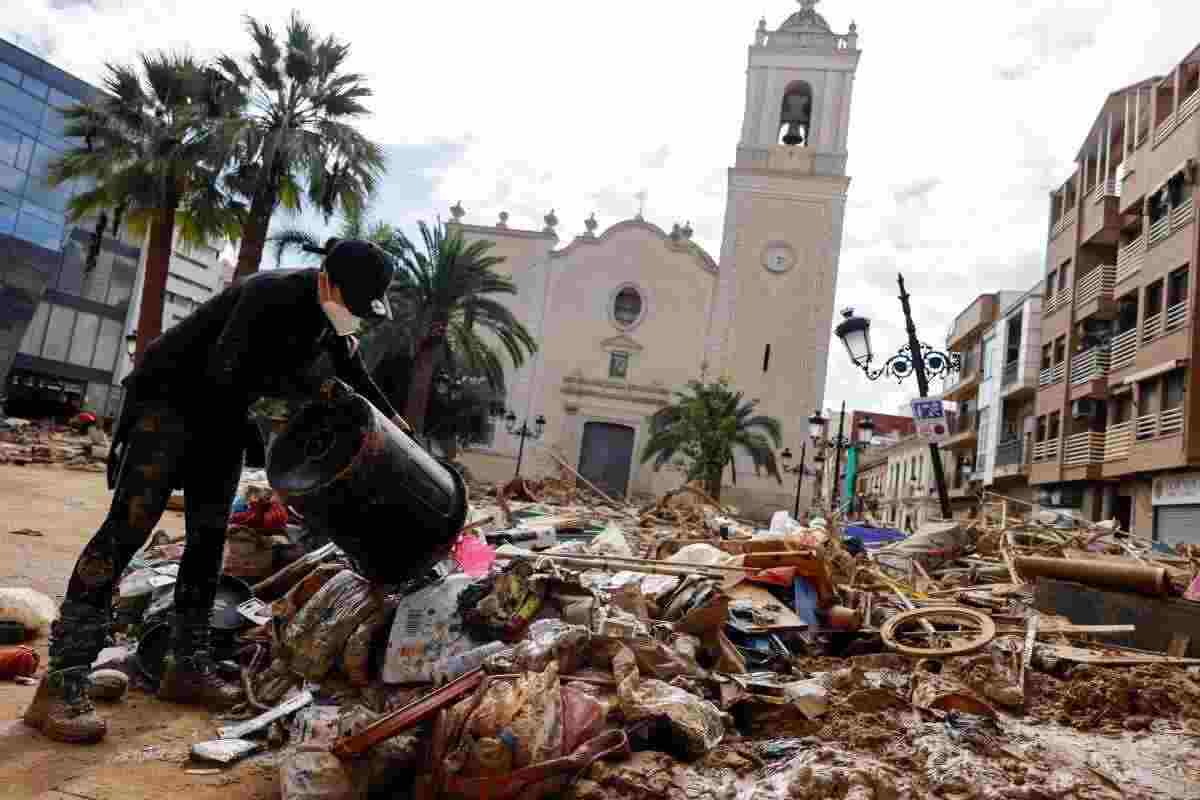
853,27
687,230
457,211
551,221
503,223
676,232
760,35
591,225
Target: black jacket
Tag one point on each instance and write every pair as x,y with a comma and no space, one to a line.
261,337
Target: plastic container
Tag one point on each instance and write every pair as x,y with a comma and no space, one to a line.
384,500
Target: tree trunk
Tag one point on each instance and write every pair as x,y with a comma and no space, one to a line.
421,383
254,233
712,485
154,286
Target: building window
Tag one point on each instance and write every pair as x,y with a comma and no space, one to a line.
1060,350
1051,282
1154,298
1055,417
1047,352
618,365
1062,276
1173,389
1177,286
627,307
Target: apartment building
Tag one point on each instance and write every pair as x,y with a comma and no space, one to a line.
896,484
63,316
985,347
1115,433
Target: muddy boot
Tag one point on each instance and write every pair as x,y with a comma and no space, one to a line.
189,673
62,710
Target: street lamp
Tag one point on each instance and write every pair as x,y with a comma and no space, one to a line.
799,469
816,424
913,358
523,431
131,344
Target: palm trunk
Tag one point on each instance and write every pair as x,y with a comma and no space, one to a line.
154,287
254,233
712,485
421,384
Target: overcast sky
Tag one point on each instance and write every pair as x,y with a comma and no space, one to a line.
966,113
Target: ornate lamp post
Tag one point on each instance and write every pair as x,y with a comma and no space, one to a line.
838,444
523,431
131,344
799,469
913,358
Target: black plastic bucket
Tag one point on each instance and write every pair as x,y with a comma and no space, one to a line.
379,495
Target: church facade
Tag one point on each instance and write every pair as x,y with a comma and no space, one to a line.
627,316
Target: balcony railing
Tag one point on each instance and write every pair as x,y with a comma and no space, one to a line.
1057,301
1176,316
1096,284
1181,215
1130,257
1009,453
1084,448
1064,222
1045,451
1160,230
1052,374
1118,439
1151,327
1009,377
1164,423
1090,365
1108,188
1124,349
1166,128
1188,106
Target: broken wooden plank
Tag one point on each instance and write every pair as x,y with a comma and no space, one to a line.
1031,633
264,719
1080,656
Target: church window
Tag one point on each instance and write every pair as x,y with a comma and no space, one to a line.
628,306
795,121
618,365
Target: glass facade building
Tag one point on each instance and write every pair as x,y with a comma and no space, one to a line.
62,323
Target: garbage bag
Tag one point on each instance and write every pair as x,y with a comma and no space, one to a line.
551,640
610,542
29,607
315,637
696,722
427,631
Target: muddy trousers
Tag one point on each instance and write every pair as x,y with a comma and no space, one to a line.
166,449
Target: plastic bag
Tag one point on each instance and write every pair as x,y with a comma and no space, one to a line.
610,542
315,637
29,607
551,640
427,629
783,524
695,721
701,554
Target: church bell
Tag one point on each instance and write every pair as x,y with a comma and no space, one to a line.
797,114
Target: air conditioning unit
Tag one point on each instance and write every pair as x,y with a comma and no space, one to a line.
1085,409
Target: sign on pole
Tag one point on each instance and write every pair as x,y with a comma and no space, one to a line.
930,418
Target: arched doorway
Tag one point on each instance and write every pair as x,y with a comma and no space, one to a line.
606,457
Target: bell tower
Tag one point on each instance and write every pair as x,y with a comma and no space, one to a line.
783,220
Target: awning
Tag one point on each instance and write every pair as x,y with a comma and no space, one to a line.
1154,371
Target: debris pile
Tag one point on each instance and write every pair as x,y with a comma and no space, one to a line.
23,442
577,647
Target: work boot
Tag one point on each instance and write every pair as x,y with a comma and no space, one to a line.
62,710
190,674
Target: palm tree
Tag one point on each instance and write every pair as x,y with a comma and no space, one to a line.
150,150
354,224
296,135
706,426
445,306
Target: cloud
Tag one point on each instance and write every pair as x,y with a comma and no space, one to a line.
965,117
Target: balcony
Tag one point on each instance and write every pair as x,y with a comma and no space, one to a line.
1083,449
1124,350
1189,106
1046,450
1057,301
1185,110
965,387
1108,188
1130,258
1161,324
1155,426
1052,375
1010,459
1064,222
963,434
1118,440
1009,376
1095,286
1090,365
1173,220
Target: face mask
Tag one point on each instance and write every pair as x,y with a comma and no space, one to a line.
344,323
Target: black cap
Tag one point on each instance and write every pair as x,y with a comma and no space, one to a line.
363,271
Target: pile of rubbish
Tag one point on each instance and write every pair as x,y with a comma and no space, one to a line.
24,442
588,649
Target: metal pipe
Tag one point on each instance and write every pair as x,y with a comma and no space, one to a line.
1151,581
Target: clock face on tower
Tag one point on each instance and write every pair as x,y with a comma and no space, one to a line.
779,257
